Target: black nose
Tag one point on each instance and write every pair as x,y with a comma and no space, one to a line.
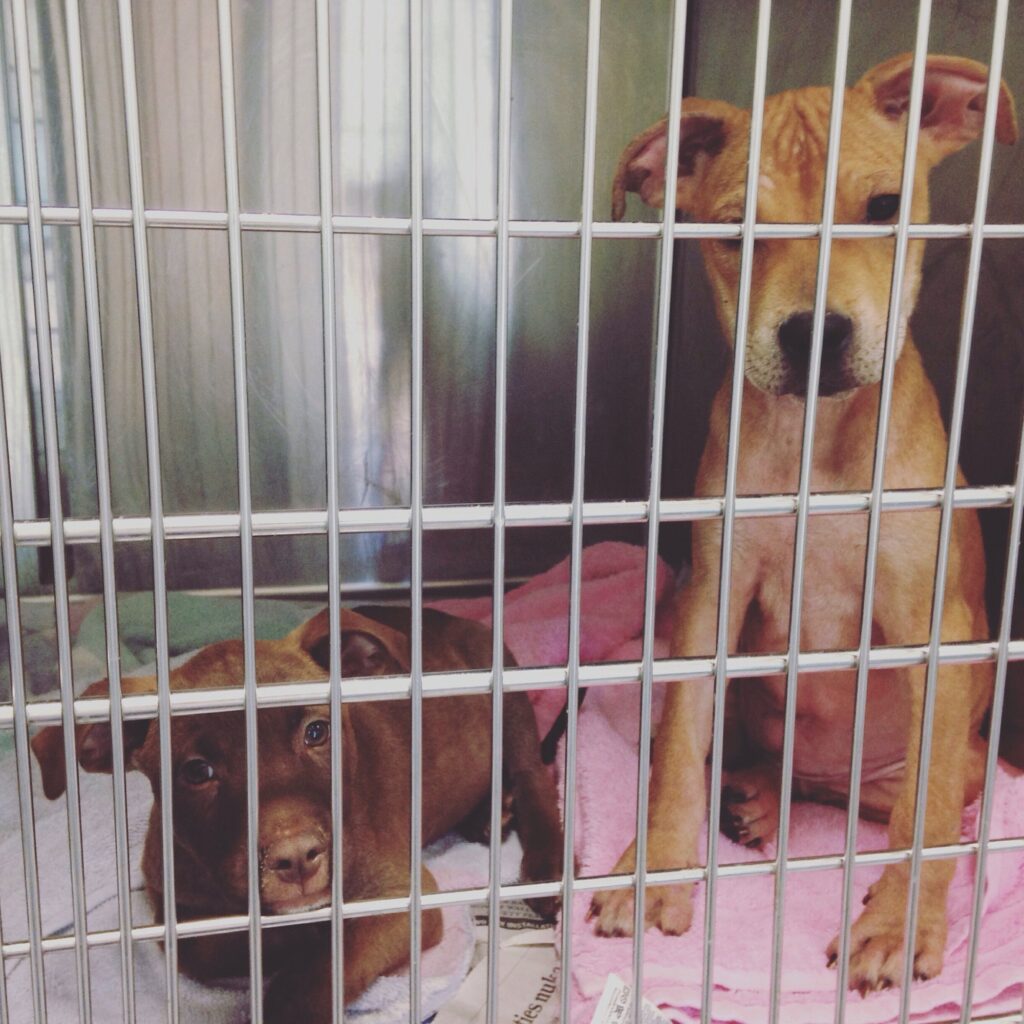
795,337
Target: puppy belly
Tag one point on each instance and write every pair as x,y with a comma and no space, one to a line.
823,739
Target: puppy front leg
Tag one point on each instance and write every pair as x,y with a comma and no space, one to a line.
678,801
876,940
373,946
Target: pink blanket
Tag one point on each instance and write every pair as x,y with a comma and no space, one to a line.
612,610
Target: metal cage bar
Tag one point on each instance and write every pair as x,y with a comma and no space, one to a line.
196,525
237,292
83,179
19,722
729,502
483,228
139,706
677,54
995,727
878,475
416,115
145,312
806,468
327,299
988,137
462,897
502,261
48,396
578,481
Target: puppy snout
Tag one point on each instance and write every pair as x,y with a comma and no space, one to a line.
296,859
795,337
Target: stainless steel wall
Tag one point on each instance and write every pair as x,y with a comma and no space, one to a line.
183,165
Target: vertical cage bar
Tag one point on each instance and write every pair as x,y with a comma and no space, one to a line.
98,394
416,41
44,351
163,683
877,487
230,132
803,497
327,300
19,701
995,727
579,467
729,502
504,188
677,53
949,485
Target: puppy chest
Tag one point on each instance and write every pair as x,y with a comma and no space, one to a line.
832,584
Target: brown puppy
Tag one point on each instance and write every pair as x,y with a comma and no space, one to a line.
208,753
710,187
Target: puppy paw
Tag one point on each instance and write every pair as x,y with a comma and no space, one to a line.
876,943
669,908
750,806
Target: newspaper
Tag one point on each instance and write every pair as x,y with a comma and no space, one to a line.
616,1005
528,972
529,977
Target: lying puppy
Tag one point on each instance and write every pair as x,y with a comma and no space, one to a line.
208,752
711,186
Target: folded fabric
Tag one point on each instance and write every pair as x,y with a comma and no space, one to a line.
536,614
606,820
536,631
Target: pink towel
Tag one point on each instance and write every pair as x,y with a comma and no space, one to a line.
536,617
537,614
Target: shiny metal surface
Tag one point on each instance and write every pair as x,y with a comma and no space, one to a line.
183,166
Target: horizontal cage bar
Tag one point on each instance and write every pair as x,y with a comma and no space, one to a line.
447,684
511,891
199,525
486,228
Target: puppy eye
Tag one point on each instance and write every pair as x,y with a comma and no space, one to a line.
196,772
316,733
883,207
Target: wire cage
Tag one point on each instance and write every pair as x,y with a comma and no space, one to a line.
362,326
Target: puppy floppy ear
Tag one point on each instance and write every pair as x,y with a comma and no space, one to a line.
703,131
93,741
368,647
953,106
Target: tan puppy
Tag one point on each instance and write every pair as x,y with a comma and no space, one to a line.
209,798
710,187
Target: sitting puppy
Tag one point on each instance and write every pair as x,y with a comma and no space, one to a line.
208,755
710,185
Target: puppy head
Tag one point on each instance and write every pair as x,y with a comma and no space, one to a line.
711,184
209,769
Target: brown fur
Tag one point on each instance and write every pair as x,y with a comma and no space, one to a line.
711,187
294,800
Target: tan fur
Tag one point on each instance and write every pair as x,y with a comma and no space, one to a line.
711,188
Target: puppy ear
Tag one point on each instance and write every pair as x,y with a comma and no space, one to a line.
368,647
93,741
953,106
703,131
